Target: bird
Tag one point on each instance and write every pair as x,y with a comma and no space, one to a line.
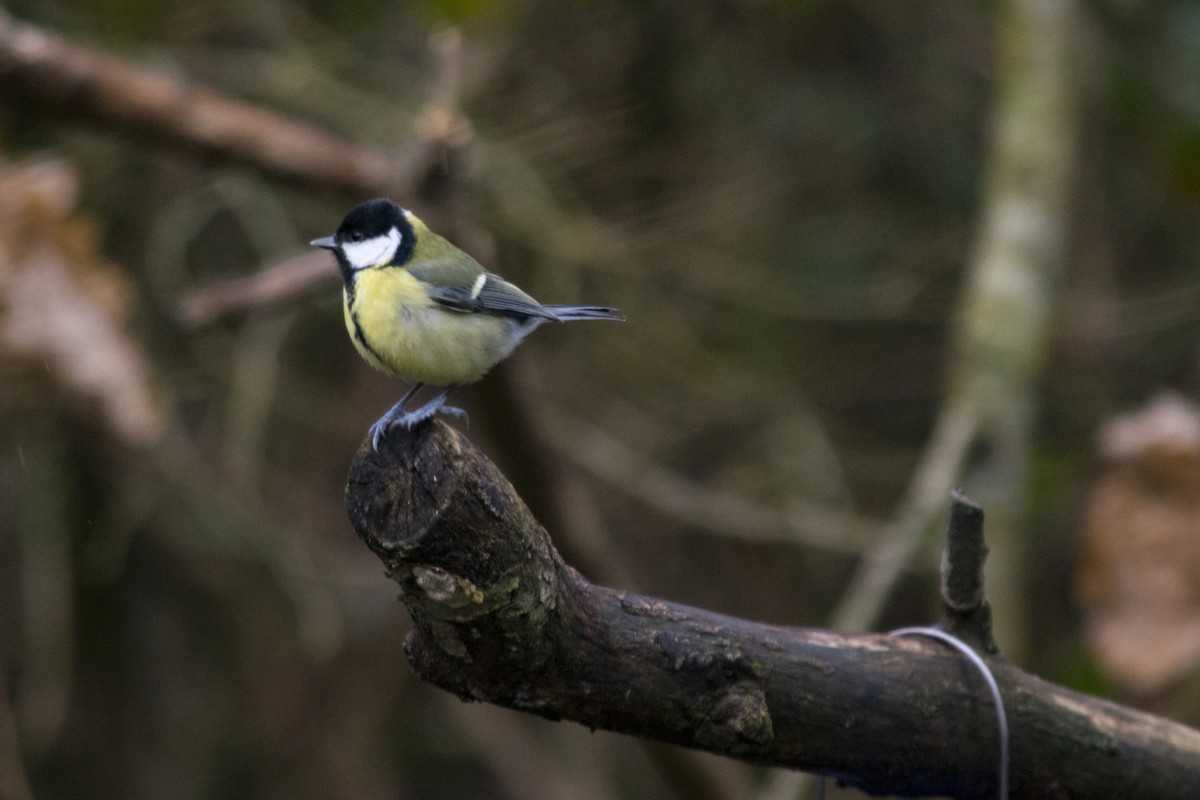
419,308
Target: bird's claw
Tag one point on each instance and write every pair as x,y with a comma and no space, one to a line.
409,420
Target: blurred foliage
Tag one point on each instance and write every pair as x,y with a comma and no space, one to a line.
780,195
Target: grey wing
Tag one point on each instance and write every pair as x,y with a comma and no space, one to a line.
494,296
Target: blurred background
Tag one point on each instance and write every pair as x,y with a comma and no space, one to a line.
801,207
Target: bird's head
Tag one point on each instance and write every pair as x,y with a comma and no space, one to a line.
377,233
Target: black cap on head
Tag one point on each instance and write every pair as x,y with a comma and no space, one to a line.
372,218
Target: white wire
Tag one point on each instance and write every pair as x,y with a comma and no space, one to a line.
986,672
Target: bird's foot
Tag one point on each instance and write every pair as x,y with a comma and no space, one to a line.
397,416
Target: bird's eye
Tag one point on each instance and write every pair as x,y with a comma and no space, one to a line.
356,236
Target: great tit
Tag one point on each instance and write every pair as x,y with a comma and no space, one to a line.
419,308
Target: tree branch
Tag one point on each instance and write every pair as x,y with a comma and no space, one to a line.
965,609
52,74
499,617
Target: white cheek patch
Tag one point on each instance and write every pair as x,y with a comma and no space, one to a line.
372,252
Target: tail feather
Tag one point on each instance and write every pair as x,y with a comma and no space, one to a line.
566,313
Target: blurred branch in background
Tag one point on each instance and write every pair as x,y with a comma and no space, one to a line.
282,282
54,75
702,507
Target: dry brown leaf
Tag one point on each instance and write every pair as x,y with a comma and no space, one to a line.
63,308
1139,581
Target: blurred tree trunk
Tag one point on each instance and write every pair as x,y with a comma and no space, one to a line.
1004,324
1015,273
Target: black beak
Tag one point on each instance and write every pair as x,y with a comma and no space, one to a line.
326,242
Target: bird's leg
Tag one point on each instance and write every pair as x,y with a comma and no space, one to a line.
436,403
383,423
407,419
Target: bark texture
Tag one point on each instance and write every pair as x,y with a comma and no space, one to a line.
499,618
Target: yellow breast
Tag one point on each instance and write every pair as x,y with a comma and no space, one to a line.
399,330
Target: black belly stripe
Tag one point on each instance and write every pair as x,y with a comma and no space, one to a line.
362,339
351,284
